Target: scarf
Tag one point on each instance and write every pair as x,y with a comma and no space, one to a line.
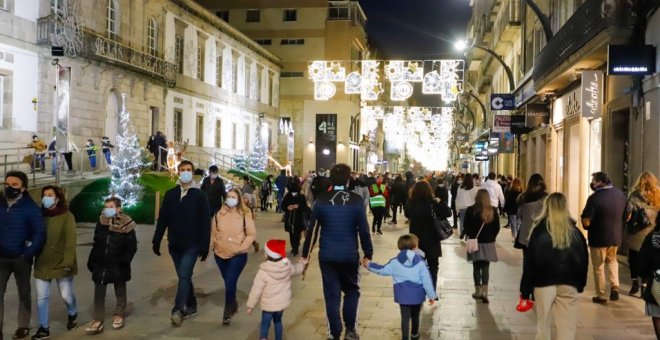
58,210
120,224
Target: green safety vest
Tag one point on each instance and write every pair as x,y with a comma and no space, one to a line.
378,200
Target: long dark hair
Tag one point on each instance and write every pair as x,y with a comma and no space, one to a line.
421,191
482,206
468,182
535,185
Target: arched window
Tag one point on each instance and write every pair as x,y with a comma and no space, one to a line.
152,37
112,24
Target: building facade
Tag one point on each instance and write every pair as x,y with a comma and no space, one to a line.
300,31
185,72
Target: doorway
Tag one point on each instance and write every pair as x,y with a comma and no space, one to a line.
112,116
619,149
155,119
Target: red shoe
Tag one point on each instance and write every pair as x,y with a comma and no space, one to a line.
524,304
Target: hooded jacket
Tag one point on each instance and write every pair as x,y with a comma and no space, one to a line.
272,285
412,280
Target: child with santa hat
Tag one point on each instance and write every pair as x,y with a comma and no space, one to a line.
272,287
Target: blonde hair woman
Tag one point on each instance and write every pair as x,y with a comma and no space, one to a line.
232,234
642,209
555,269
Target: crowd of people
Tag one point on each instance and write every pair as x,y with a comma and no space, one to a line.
328,209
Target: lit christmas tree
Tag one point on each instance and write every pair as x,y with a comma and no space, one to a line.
127,162
257,159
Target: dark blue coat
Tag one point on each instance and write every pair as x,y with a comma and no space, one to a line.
22,231
342,217
187,220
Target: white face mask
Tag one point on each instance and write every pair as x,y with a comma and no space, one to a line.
232,202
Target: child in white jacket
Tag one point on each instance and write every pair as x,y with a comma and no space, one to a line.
272,287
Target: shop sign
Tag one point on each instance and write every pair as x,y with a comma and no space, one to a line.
326,140
501,123
494,143
537,115
630,60
481,158
502,101
592,93
525,93
518,124
505,142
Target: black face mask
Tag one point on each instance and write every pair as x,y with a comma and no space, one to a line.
593,187
11,192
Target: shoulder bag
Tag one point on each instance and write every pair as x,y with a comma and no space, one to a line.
472,245
442,227
655,286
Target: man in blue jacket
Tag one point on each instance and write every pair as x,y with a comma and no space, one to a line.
341,217
280,184
185,214
22,235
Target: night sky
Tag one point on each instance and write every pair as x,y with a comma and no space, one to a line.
411,29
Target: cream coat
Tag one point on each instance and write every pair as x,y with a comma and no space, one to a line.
272,285
227,236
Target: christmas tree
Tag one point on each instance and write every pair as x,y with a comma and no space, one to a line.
127,162
257,159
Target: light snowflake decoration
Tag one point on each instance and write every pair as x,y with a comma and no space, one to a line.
68,30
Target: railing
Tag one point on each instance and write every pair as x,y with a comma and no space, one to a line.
347,10
591,18
95,46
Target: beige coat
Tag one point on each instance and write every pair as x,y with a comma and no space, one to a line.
228,237
272,285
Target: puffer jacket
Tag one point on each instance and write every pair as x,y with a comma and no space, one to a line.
272,285
412,280
232,233
342,217
114,246
529,206
22,231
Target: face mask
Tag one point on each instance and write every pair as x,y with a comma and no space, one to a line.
109,212
48,202
593,187
186,177
11,192
232,202
214,176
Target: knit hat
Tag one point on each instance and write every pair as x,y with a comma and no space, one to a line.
276,249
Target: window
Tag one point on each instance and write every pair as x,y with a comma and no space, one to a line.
178,125
292,74
199,133
200,63
290,15
234,131
218,133
264,41
292,42
178,53
56,6
247,79
223,14
218,71
234,73
152,37
247,137
111,19
338,12
252,15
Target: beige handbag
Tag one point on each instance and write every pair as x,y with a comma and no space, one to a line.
472,245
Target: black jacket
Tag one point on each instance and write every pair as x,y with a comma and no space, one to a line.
111,255
320,184
473,224
442,193
544,265
649,261
187,220
215,193
454,193
421,224
399,193
511,199
294,220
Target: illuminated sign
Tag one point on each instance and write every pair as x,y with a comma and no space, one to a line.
631,60
592,93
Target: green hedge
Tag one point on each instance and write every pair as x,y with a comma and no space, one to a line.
261,175
87,205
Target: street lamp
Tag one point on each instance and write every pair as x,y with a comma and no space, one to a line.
463,46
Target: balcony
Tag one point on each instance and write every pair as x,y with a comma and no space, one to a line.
507,23
93,45
590,19
347,10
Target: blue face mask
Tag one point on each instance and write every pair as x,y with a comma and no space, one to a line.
186,177
109,212
48,202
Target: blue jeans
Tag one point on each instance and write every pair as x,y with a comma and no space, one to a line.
65,285
54,170
184,263
461,215
108,156
231,269
276,318
513,223
92,162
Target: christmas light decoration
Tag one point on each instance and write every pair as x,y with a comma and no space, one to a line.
257,159
127,162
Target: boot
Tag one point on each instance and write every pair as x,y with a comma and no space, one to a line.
477,292
227,314
635,287
484,293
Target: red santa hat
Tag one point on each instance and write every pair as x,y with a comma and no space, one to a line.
276,249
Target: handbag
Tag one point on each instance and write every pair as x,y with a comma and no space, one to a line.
638,220
472,245
655,287
442,227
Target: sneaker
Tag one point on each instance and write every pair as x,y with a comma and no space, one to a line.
177,319
42,333
614,294
117,322
415,336
351,335
190,312
94,328
598,300
21,333
72,322
379,232
226,321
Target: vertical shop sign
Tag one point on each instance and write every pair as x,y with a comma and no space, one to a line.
62,92
326,140
592,93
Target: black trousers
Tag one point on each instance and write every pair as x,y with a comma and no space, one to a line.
294,237
264,202
633,259
394,211
379,213
22,270
99,300
480,272
434,264
409,313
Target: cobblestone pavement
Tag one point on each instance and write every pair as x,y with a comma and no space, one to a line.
458,316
